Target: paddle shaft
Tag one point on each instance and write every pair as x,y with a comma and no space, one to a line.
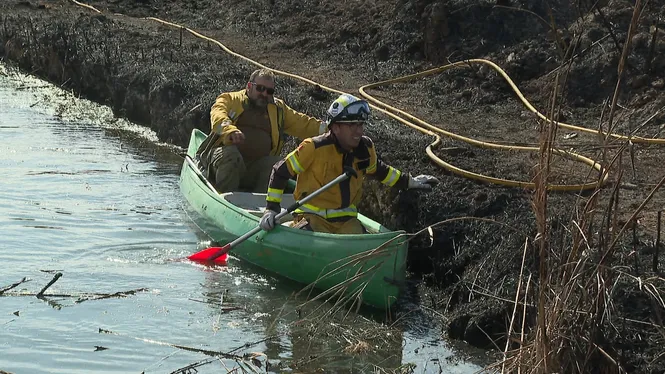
347,174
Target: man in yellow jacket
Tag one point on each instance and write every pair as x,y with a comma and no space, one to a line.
248,128
321,159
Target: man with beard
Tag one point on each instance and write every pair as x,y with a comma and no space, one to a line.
247,135
321,159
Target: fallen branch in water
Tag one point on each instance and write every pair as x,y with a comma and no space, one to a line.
248,356
183,347
224,309
249,360
57,276
14,285
81,297
110,295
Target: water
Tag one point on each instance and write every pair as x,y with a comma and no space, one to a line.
96,199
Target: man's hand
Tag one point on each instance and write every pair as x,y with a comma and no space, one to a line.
422,182
219,128
237,137
268,220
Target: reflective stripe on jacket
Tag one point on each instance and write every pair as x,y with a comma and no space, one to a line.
283,119
329,214
318,161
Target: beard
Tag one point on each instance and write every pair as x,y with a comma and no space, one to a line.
260,102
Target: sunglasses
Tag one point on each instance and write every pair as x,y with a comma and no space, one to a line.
355,112
261,88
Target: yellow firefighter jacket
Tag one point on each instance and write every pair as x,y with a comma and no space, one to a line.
318,161
283,120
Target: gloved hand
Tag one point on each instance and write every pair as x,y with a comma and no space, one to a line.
422,182
268,220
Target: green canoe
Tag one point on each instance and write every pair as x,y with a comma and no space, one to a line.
369,268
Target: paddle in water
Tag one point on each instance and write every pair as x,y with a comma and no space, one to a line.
212,254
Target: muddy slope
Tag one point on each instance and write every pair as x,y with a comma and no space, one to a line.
167,79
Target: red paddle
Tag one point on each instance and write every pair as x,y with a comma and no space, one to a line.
210,255
215,254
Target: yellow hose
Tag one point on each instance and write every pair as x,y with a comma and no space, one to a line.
426,127
434,131
431,130
86,6
222,46
467,63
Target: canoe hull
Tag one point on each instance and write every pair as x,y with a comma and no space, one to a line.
354,264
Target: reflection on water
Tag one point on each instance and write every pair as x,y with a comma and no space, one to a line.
293,329
97,199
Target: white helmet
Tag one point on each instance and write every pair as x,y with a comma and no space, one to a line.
348,108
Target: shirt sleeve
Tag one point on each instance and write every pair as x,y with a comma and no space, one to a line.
220,117
293,164
383,172
301,125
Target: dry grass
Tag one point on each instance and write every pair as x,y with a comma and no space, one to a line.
561,318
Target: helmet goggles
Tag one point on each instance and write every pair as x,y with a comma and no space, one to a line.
357,111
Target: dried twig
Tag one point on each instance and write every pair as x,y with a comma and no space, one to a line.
183,347
57,276
239,359
108,296
516,303
14,285
83,296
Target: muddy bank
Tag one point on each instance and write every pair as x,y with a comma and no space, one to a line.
167,79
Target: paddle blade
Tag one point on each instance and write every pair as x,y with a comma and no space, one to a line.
218,255
221,260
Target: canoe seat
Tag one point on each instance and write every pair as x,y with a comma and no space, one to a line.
255,203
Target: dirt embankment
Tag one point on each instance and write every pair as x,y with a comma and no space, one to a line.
167,79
